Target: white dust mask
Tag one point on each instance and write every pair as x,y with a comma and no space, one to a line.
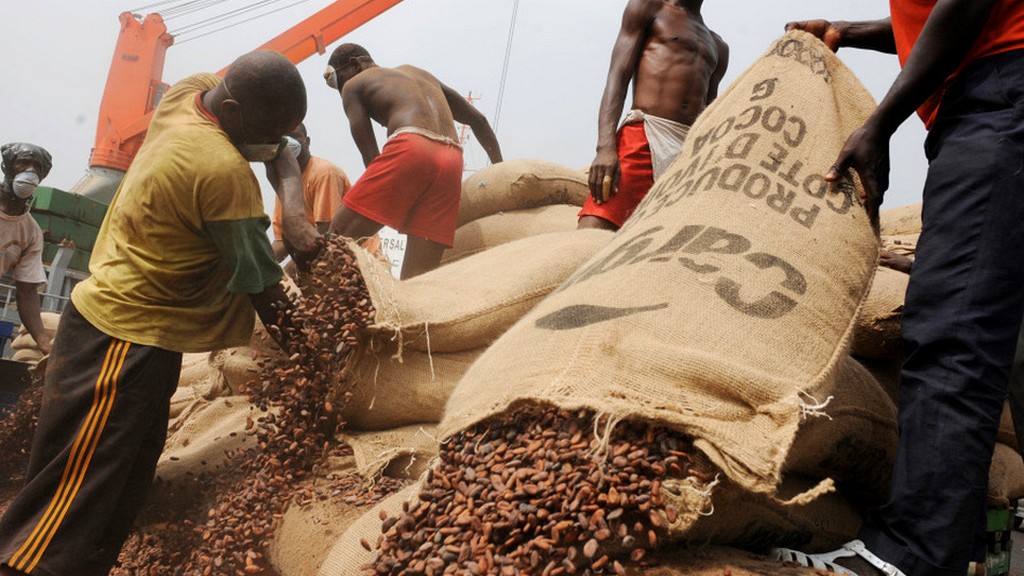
294,145
24,184
331,76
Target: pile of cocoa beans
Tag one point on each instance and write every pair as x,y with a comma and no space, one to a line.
539,491
17,426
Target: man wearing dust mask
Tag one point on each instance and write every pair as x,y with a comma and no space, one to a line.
21,239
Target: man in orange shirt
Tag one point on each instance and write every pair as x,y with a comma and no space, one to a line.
963,71
323,185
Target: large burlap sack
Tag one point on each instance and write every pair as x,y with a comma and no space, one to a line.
757,522
886,372
1007,434
198,440
1005,476
391,389
735,517
504,227
902,244
198,383
24,340
306,535
347,556
520,184
878,324
403,453
729,295
850,437
25,347
468,304
900,220
239,367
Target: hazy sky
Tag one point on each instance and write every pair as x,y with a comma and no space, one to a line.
57,55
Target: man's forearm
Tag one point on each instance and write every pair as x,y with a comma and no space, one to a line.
867,34
948,35
488,140
29,312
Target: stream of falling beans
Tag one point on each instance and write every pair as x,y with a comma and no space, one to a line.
294,425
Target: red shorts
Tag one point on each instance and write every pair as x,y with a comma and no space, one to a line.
413,186
636,176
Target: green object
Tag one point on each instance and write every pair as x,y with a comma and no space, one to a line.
997,564
79,258
59,229
69,205
1000,519
999,542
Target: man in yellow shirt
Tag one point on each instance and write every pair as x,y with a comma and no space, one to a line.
323,185
181,262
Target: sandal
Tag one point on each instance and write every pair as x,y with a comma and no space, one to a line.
826,561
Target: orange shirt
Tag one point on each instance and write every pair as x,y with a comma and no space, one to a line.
1003,32
323,185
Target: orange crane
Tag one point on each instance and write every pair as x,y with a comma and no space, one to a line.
134,83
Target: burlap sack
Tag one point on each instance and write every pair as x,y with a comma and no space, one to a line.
24,340
1005,476
735,517
504,227
391,390
886,372
1006,433
400,453
468,304
520,184
878,324
731,292
199,439
238,366
347,556
25,347
902,244
31,355
306,535
198,383
850,437
756,522
901,220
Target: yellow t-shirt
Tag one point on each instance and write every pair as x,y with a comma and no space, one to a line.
184,240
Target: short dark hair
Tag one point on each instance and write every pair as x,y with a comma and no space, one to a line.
342,54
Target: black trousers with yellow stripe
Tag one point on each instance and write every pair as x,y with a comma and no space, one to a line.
102,427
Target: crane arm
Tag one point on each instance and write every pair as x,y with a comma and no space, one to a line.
314,34
134,85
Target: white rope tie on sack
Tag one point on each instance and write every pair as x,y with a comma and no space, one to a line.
815,407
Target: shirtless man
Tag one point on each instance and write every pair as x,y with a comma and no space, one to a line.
412,185
676,64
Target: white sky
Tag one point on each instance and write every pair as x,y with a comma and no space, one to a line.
56,57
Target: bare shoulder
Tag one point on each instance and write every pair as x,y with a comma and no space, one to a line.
719,42
416,73
642,10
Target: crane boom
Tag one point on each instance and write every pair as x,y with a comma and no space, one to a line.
134,84
312,35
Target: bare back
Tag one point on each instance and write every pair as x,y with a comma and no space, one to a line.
404,96
679,67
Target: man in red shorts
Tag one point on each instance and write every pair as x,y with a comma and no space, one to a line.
676,64
412,185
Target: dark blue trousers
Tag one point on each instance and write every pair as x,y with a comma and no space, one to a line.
960,323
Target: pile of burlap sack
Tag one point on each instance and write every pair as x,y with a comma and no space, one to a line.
741,305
